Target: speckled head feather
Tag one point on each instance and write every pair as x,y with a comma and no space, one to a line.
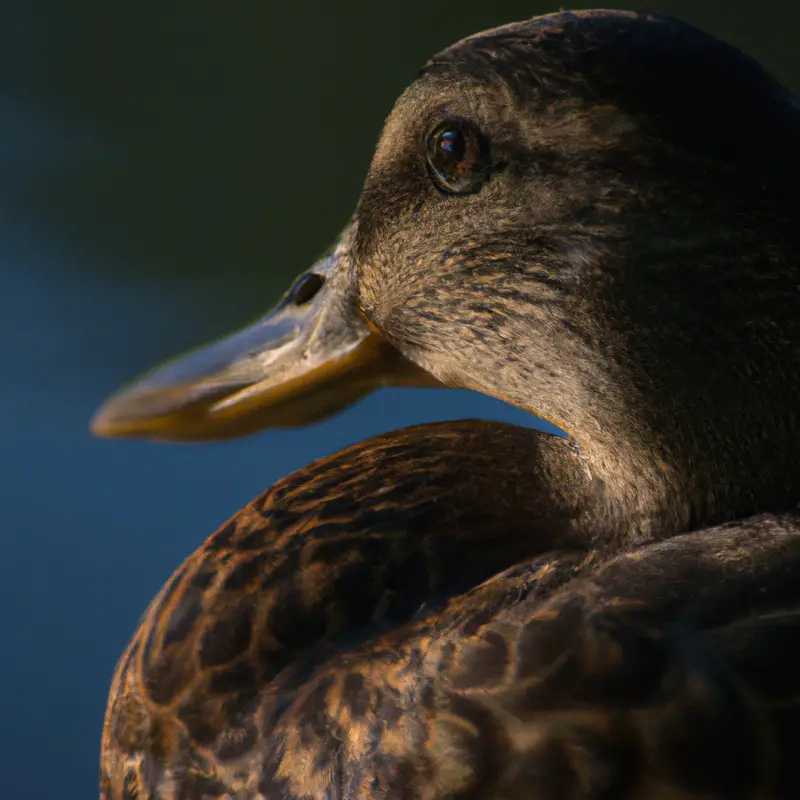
629,269
680,82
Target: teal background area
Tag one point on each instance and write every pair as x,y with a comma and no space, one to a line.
167,168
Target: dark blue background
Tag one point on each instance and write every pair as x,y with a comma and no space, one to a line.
166,169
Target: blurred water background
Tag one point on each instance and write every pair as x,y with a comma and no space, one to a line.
166,170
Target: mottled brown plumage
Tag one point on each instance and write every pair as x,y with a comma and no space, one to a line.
319,645
472,610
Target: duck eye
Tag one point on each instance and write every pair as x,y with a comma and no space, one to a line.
457,156
305,288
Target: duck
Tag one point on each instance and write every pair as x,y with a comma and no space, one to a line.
593,216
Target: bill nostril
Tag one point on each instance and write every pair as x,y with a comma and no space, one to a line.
306,288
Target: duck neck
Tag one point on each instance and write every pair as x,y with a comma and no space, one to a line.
646,494
618,496
641,487
687,421
622,487
702,433
670,367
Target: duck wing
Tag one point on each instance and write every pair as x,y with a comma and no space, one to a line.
670,671
348,549
667,672
371,627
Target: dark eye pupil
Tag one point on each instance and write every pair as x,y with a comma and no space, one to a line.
452,149
452,143
457,157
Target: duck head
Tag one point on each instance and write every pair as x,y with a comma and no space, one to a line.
590,215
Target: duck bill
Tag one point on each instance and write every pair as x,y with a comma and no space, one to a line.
308,358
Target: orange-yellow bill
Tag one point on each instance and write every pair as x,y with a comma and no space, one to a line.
310,357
